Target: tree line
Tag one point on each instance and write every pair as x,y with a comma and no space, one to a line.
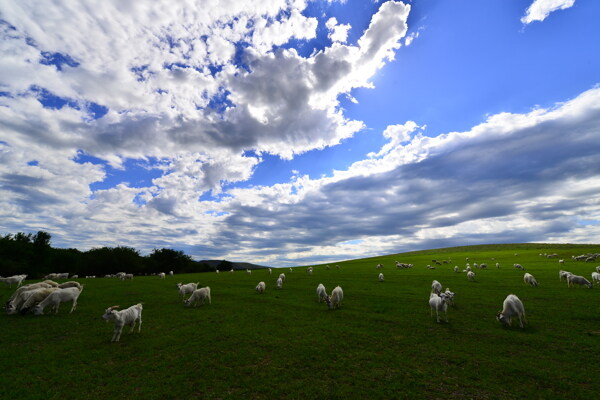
33,254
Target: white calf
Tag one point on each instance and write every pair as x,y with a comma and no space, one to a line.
36,297
449,296
18,279
199,296
335,300
529,279
32,286
436,287
121,318
578,280
187,289
70,284
58,297
512,306
595,277
438,302
563,274
321,293
15,303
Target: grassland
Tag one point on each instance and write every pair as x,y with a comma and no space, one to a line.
382,343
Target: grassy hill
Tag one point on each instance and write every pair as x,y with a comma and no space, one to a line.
283,344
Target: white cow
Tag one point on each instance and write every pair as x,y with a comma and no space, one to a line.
436,287
321,292
18,279
335,300
512,306
199,296
578,280
529,279
121,318
58,297
438,302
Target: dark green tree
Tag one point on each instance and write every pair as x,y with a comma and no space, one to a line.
41,239
110,260
164,260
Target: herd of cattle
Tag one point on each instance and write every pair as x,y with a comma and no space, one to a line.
35,297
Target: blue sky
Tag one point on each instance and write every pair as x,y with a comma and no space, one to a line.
289,132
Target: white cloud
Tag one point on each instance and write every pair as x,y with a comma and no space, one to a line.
337,32
540,9
514,177
220,50
411,37
170,80
386,28
268,34
175,92
396,134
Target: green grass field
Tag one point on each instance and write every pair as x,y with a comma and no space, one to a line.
382,343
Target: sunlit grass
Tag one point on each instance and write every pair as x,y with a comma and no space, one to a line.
382,343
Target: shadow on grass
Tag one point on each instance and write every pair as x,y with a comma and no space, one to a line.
528,329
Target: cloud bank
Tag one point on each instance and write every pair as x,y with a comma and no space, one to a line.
513,178
202,92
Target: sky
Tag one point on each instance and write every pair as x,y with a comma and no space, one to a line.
295,132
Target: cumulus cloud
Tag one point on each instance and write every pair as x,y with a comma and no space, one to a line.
337,32
178,78
396,134
540,9
514,177
194,86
